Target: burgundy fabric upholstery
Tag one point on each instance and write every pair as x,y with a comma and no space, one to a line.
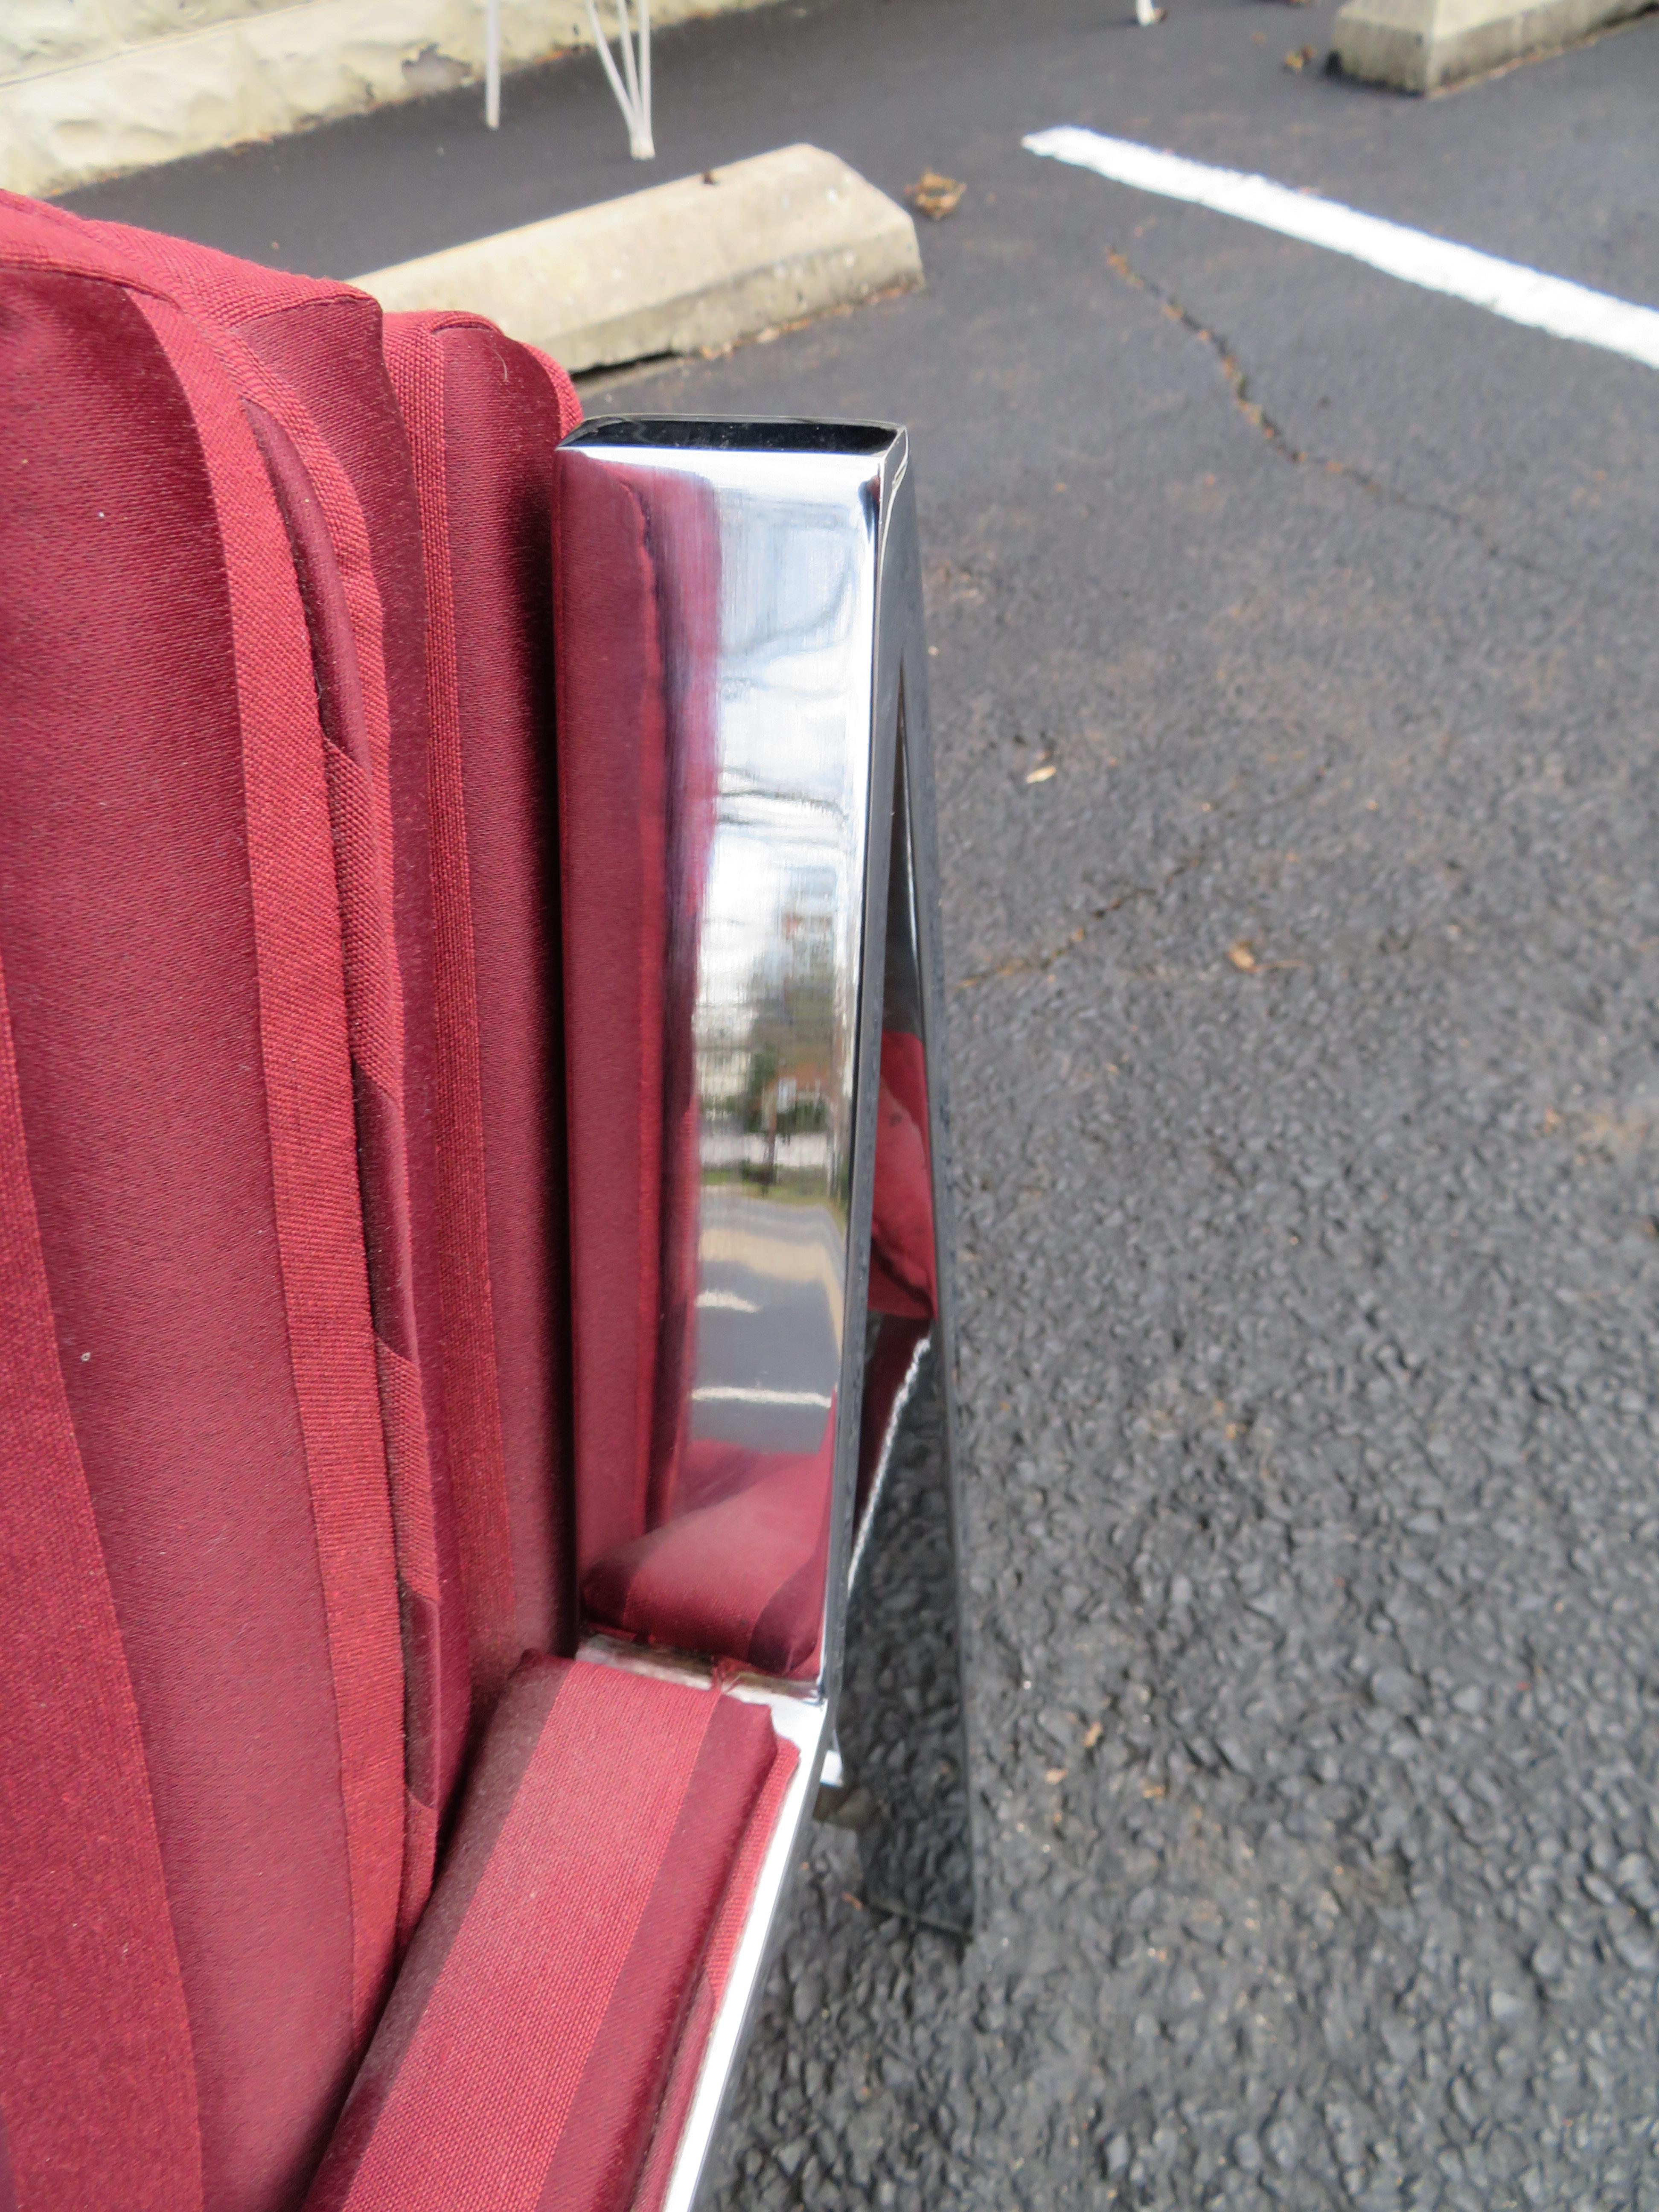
171,938
304,359
283,1378
522,2059
87,1936
483,417
712,1982
613,736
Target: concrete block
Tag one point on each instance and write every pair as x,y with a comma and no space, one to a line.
699,263
44,34
91,88
1420,45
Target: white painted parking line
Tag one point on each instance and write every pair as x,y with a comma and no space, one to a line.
1509,288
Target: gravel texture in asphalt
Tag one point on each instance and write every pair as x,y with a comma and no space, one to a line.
1303,1027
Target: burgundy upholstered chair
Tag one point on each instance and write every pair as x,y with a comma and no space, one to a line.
423,1619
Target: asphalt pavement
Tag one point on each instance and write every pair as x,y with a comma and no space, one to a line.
1303,1025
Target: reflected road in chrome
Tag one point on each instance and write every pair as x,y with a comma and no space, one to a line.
767,537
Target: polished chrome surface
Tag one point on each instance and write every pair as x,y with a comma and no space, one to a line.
766,539
803,918
901,1713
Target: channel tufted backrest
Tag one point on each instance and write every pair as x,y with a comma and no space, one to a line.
281,1166
201,1678
483,417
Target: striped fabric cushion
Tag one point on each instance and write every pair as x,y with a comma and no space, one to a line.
281,1389
521,2063
202,1765
302,360
483,417
711,1983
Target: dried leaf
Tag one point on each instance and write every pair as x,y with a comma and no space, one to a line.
1052,1774
1092,1735
935,195
1041,774
1241,955
1302,57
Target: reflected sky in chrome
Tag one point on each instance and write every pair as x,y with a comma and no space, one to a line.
778,918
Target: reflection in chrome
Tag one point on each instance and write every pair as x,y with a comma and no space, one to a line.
890,1436
800,1376
748,1393
766,558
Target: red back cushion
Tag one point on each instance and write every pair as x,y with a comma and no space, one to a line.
484,416
171,942
304,358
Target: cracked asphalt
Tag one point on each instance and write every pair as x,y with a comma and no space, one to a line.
1303,1027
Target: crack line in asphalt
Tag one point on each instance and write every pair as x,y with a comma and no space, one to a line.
1258,418
1039,963
1508,288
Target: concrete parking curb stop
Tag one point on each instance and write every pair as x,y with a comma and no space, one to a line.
681,268
1419,45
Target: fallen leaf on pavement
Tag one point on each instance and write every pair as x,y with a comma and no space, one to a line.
1092,1735
1302,57
1054,1774
1040,775
1241,957
934,196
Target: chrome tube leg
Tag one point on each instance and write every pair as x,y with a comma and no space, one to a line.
902,1721
902,1725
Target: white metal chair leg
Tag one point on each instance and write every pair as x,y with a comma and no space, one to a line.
632,85
493,64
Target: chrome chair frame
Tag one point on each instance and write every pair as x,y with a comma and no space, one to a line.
820,835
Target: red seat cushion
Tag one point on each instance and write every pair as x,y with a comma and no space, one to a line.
521,2062
714,1978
